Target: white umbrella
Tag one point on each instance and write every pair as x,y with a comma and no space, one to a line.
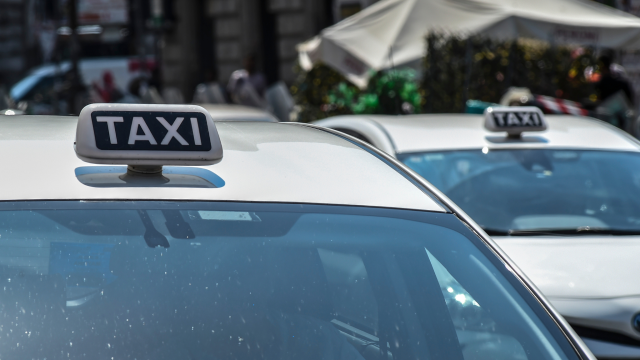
392,32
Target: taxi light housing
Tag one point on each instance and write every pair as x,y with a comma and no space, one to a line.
147,135
514,120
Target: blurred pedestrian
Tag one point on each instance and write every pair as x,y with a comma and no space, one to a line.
612,82
209,91
247,86
256,78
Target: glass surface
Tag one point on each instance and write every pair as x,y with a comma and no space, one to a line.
199,280
526,191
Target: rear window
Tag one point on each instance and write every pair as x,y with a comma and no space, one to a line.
199,280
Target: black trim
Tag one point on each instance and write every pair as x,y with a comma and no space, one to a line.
605,335
353,133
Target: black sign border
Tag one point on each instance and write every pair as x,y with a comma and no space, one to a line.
102,139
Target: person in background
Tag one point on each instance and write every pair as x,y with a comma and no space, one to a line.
612,82
615,96
248,86
256,78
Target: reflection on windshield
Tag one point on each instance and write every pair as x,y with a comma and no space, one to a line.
255,281
516,190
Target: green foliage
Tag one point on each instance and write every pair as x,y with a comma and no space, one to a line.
455,70
390,92
477,68
311,93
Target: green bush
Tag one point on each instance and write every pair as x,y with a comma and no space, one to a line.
389,92
322,92
456,70
311,93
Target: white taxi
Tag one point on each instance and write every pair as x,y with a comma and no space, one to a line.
153,232
560,195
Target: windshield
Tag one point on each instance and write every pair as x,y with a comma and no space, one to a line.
515,191
197,280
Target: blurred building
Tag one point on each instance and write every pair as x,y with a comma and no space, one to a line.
211,38
33,32
16,43
193,41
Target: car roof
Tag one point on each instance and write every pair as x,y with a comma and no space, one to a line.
442,132
231,112
262,162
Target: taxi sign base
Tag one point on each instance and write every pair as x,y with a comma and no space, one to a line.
144,170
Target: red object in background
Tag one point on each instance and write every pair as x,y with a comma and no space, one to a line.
134,64
551,105
106,92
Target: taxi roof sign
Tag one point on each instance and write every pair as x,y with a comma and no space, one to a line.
141,134
514,120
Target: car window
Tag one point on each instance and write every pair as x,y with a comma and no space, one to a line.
164,280
531,189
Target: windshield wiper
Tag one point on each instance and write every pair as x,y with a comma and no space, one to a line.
583,230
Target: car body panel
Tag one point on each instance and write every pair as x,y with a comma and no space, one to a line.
414,133
608,266
603,350
370,130
252,150
232,112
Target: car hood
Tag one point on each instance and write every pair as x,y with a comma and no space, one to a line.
578,267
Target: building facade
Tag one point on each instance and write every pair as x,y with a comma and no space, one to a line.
212,38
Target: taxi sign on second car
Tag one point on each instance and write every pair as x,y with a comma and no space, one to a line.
136,134
514,120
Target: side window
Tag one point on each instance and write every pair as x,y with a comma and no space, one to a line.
475,328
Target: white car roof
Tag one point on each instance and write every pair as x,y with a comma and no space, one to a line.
263,162
231,112
434,132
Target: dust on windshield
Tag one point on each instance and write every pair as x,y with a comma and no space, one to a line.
181,280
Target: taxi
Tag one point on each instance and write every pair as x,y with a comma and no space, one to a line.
153,232
559,194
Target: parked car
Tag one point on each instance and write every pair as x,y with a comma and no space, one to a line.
562,200
167,235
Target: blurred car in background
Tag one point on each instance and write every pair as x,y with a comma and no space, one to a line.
564,203
231,112
43,89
